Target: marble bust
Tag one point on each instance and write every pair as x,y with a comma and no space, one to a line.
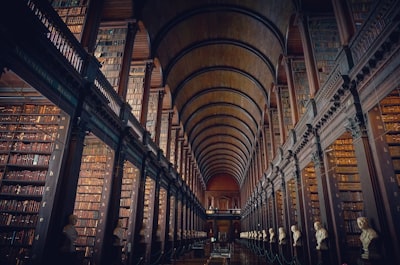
271,235
296,235
321,235
281,236
368,234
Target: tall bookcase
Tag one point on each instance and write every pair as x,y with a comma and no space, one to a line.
292,201
311,194
360,10
134,95
29,135
162,207
390,113
127,210
152,114
348,197
73,13
279,208
110,49
148,208
286,109
326,43
92,195
300,80
171,218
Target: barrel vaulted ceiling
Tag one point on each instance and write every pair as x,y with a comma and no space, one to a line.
220,61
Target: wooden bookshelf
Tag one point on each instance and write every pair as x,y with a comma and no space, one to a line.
326,43
300,81
276,132
134,95
152,114
109,51
279,208
292,201
390,113
348,196
148,208
286,109
360,11
311,194
73,13
92,193
171,218
162,208
164,131
127,210
270,209
29,133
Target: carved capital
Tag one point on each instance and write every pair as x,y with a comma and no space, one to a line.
356,127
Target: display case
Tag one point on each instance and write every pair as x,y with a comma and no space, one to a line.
29,135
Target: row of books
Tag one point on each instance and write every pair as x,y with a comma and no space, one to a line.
22,189
19,206
20,237
20,220
29,109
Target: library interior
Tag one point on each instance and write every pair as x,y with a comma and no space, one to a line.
148,132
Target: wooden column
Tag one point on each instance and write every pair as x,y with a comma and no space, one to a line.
126,59
292,93
159,116
146,93
93,18
344,21
280,114
312,74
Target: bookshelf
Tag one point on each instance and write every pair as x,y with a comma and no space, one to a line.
73,13
360,10
109,51
279,208
127,210
92,195
300,81
162,207
134,95
148,208
326,44
311,193
29,133
270,209
276,128
292,199
348,197
390,113
171,219
164,131
152,114
286,109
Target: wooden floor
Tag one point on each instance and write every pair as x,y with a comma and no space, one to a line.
240,256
